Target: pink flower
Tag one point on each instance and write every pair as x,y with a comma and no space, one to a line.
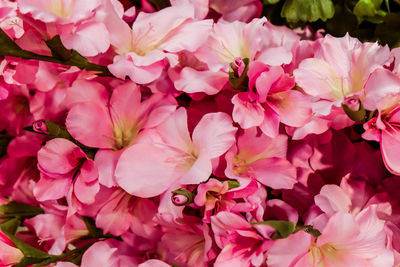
10,254
187,241
257,156
64,165
124,117
382,92
339,69
148,169
229,42
271,101
241,243
156,37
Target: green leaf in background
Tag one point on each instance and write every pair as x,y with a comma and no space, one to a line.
307,10
370,10
388,32
270,2
4,141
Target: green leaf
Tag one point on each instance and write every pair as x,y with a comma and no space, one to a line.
239,83
16,209
307,10
369,10
10,225
388,31
283,228
270,2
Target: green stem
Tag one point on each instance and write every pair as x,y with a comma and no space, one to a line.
64,256
9,48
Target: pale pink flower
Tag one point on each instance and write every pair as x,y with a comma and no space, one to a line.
123,118
339,69
257,156
258,40
154,38
148,169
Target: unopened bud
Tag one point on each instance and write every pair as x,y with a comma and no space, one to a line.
238,66
352,103
182,197
40,127
354,109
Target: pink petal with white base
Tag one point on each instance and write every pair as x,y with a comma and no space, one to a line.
274,172
85,42
194,81
317,78
380,83
248,114
214,134
294,108
390,147
332,199
137,173
58,157
122,67
83,118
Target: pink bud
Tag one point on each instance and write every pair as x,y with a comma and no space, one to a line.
352,103
238,66
40,126
179,200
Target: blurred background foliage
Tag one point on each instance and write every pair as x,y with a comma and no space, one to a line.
368,20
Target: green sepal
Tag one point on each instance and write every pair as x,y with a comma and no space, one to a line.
10,225
307,10
233,184
283,228
308,229
239,83
359,115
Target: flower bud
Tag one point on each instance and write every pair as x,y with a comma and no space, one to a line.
40,127
182,197
352,103
354,109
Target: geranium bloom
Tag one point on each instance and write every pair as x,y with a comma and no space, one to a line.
257,156
339,69
123,118
155,37
382,92
64,165
148,169
271,101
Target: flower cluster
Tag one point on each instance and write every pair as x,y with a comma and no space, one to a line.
194,135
